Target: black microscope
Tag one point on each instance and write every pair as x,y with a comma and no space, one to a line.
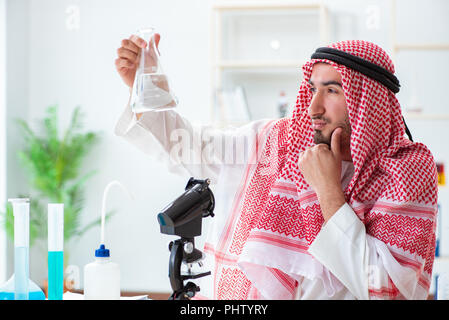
183,218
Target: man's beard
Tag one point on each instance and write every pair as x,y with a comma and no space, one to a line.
319,137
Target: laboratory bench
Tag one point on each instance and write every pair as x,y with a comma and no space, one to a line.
166,295
151,295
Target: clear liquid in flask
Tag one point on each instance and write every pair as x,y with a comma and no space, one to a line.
153,93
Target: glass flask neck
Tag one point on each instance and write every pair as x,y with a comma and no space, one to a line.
147,33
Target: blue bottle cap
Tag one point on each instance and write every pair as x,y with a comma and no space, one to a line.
102,252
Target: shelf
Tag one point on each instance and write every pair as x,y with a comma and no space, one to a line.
260,64
230,124
418,46
442,259
441,264
425,116
251,5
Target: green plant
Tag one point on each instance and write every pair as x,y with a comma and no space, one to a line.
52,164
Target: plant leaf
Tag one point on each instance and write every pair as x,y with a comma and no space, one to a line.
52,165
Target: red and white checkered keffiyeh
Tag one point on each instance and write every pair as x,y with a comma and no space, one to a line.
393,191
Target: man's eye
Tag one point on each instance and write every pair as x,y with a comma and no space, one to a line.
331,90
312,90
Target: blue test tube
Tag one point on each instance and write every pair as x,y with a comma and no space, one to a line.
55,251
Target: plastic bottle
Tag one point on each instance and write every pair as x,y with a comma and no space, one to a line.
102,277
282,105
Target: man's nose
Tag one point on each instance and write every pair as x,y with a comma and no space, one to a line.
316,107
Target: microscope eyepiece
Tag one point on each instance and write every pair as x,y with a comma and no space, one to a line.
183,217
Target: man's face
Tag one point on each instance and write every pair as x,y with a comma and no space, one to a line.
328,109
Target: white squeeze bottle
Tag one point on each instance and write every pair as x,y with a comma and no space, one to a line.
102,277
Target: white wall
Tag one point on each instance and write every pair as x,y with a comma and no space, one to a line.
76,67
49,63
17,97
3,247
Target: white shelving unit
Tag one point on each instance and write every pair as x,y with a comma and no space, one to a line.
246,51
441,263
226,66
398,47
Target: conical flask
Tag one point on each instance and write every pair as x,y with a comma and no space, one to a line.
151,88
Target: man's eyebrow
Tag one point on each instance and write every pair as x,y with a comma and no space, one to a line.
327,83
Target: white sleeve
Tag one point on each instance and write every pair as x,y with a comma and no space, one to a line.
361,262
199,151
